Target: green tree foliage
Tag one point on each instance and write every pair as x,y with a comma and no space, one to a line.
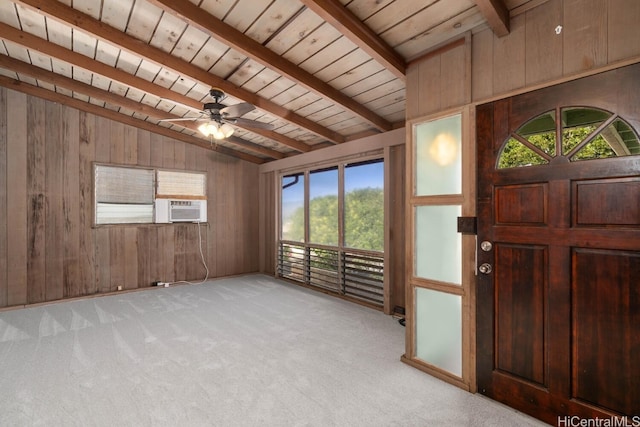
364,220
295,225
516,154
323,220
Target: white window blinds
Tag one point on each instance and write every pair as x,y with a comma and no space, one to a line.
123,195
181,184
124,185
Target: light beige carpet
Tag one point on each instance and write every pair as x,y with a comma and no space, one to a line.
244,351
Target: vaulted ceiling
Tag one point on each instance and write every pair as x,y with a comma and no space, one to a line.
321,72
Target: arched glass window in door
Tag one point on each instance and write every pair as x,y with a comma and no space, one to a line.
569,134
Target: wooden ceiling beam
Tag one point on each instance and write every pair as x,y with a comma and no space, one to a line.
52,78
97,67
225,33
98,29
350,25
127,120
496,14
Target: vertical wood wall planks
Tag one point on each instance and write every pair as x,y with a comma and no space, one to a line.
86,154
585,24
543,45
508,58
130,264
36,200
167,153
397,226
622,24
116,143
117,258
144,257
54,220
453,78
166,242
155,148
481,65
4,188
180,257
70,201
16,200
130,142
144,148
268,232
179,156
429,93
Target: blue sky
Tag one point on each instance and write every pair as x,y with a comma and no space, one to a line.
324,183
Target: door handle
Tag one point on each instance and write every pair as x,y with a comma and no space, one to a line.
485,268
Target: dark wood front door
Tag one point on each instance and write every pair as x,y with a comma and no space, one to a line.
558,289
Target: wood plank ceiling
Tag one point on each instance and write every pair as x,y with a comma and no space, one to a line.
322,72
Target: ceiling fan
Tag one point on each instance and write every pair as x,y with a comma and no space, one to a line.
218,117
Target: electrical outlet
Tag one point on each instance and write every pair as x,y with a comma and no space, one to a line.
119,287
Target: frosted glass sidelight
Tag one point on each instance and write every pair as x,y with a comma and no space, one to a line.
438,245
439,329
438,157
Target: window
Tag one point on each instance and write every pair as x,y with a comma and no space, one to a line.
127,195
332,229
292,209
573,133
180,185
323,207
364,205
123,195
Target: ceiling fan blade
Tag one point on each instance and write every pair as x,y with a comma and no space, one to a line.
248,123
184,119
237,110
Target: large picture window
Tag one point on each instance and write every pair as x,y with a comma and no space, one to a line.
332,228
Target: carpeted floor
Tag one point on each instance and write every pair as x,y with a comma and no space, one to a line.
244,351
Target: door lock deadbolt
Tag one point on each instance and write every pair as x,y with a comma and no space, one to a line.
485,268
486,246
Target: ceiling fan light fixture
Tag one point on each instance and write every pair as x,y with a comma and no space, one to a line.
215,130
226,130
209,128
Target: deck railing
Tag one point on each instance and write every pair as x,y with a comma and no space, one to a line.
352,272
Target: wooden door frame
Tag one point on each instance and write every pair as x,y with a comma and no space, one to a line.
467,289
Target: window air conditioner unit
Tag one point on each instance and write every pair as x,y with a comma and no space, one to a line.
174,210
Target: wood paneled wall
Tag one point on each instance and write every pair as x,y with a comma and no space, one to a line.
49,248
596,35
268,222
396,223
